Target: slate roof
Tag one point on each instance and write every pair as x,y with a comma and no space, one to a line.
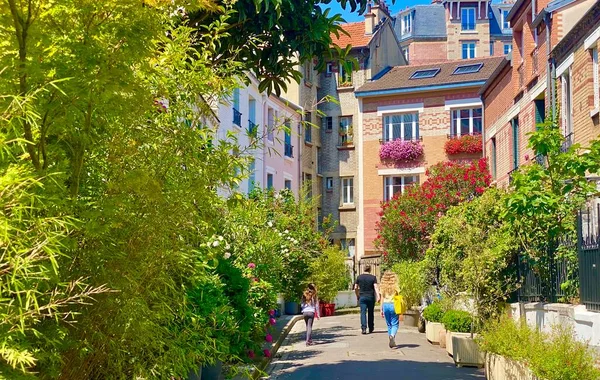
429,22
399,76
357,37
496,21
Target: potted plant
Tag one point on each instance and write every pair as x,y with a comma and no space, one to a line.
330,274
433,315
412,281
459,339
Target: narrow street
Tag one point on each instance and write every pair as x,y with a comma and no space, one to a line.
342,352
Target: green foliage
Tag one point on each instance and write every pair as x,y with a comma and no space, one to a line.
412,280
330,273
457,321
433,312
474,250
556,355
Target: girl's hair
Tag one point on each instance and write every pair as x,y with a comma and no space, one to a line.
308,296
389,284
313,288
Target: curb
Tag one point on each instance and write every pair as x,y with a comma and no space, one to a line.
284,333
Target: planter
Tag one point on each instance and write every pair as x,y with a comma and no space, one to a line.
212,372
327,309
411,318
196,374
292,308
466,352
421,325
500,368
449,335
432,332
442,338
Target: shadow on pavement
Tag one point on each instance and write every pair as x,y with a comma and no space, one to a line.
399,346
322,335
382,369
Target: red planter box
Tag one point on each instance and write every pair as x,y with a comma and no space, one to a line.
327,309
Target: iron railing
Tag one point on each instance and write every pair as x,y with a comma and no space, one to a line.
386,139
288,150
521,75
374,262
588,252
510,174
454,135
237,117
568,141
252,128
534,62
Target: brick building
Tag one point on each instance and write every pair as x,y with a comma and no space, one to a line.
426,105
453,29
375,47
521,93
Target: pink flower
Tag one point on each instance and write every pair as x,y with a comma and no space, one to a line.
400,151
251,354
251,265
526,157
255,279
272,321
267,353
271,312
269,338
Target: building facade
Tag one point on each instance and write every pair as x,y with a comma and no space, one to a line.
453,29
424,106
375,47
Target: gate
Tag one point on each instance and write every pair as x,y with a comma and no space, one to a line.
588,247
374,262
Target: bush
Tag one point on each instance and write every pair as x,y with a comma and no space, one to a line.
433,312
552,356
412,280
457,321
330,273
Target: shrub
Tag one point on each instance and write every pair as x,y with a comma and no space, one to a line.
464,144
330,273
552,356
457,321
412,280
433,312
400,151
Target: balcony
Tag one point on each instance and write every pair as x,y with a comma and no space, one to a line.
568,141
288,150
534,63
510,174
237,117
252,128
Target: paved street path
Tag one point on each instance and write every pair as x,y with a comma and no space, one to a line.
341,352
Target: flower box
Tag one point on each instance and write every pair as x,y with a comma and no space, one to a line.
469,144
466,352
432,331
498,367
401,151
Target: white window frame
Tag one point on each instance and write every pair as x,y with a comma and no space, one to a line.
347,191
596,80
505,23
388,129
329,183
467,9
271,116
407,24
267,181
388,185
285,181
457,111
329,68
405,53
469,49
341,75
509,46
566,81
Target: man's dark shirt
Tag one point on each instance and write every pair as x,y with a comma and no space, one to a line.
366,285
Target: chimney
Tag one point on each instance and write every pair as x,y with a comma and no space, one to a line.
369,19
381,11
436,1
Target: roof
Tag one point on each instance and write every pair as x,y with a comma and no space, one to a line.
429,21
356,38
577,35
496,20
494,75
397,80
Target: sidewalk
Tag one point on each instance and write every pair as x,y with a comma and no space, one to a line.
341,352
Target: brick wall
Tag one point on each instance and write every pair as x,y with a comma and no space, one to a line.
481,36
423,52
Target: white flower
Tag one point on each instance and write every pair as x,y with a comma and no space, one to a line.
215,243
270,224
286,232
227,255
227,246
280,234
220,238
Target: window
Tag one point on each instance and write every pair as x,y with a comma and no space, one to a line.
494,162
345,130
308,71
308,184
329,68
397,184
347,191
287,143
329,183
287,184
466,122
540,111
252,127
468,50
595,76
515,145
403,126
491,48
269,181
406,24
467,18
237,115
420,74
328,123
347,245
507,48
505,22
345,76
319,168
468,69
308,127
405,53
270,125
566,105
252,178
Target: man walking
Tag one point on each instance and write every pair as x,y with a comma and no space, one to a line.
367,293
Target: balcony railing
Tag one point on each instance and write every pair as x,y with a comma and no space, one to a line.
346,139
252,128
521,74
288,150
387,139
534,62
237,117
567,142
454,135
510,174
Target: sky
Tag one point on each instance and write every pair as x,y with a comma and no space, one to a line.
394,8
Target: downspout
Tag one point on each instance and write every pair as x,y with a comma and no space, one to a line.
483,138
265,117
300,146
550,66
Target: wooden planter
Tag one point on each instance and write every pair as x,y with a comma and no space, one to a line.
500,368
432,332
466,352
449,335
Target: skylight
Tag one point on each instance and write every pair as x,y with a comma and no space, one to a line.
421,74
468,69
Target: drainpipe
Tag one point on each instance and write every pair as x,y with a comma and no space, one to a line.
482,125
550,66
265,121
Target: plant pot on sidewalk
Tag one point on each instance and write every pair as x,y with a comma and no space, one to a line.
432,332
498,367
442,338
466,352
195,374
292,308
411,318
449,335
212,372
327,309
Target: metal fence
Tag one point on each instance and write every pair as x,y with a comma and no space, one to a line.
374,262
588,234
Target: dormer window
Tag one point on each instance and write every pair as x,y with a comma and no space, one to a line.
407,23
505,22
467,19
